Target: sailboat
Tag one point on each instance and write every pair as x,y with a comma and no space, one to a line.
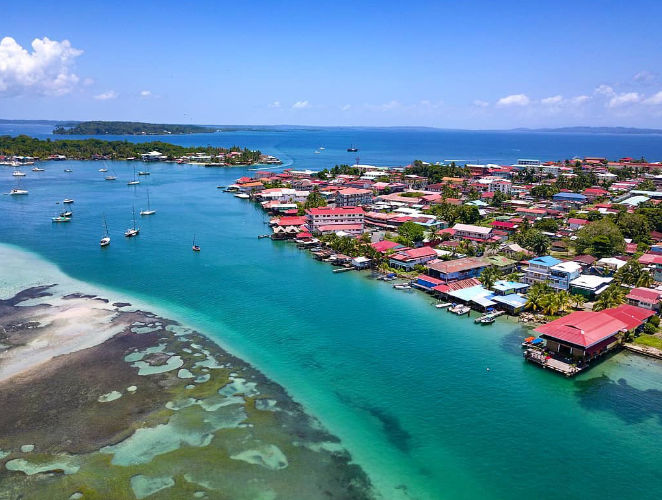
196,248
112,177
17,190
149,210
105,241
18,173
132,231
134,181
352,149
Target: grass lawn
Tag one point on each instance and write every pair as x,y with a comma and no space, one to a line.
649,340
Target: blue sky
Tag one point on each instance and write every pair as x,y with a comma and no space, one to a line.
476,65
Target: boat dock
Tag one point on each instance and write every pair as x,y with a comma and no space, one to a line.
489,316
538,357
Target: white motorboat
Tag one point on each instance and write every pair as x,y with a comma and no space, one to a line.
111,178
68,170
67,200
243,196
37,169
18,173
443,305
402,286
15,192
103,170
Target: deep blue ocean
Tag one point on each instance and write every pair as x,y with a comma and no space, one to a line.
404,385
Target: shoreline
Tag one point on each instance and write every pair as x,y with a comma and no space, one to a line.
159,348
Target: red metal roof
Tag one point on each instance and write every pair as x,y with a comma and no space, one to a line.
646,294
291,221
335,211
632,316
583,328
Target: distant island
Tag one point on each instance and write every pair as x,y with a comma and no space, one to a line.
128,128
593,130
99,149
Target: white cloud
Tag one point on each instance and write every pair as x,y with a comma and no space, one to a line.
275,104
514,100
552,101
580,99
623,99
481,104
47,70
605,90
387,106
145,93
111,94
645,76
655,99
301,105
346,107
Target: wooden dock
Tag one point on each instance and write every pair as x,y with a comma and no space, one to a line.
539,358
651,352
495,314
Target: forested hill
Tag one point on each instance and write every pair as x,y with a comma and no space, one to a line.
129,128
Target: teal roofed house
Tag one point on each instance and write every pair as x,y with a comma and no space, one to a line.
539,269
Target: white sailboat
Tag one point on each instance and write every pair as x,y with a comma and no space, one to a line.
105,241
149,210
17,191
134,181
132,231
18,173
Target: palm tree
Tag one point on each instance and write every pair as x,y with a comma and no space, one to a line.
564,300
534,299
645,280
489,277
611,297
578,300
551,303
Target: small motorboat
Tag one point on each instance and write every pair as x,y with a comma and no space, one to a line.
243,196
131,232
142,172
220,187
67,213
195,248
132,183
37,169
67,200
68,170
105,241
111,178
18,173
103,170
15,192
488,320
352,149
61,219
402,286
460,309
443,305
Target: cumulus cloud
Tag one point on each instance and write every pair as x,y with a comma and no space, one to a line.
580,99
47,70
655,99
145,93
605,90
481,104
301,105
623,99
275,104
104,96
552,101
514,100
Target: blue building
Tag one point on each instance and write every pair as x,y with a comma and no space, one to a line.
540,269
570,197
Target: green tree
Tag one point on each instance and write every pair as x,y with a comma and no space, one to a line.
601,238
411,232
314,200
611,297
634,226
490,276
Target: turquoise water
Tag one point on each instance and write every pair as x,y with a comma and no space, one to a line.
404,385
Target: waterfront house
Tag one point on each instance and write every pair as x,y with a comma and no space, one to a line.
562,274
409,258
328,219
540,269
353,197
153,156
647,298
458,269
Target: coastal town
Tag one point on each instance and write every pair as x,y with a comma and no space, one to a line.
572,249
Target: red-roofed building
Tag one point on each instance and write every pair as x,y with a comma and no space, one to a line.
575,224
592,193
355,229
327,216
353,197
407,259
386,245
632,316
647,298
